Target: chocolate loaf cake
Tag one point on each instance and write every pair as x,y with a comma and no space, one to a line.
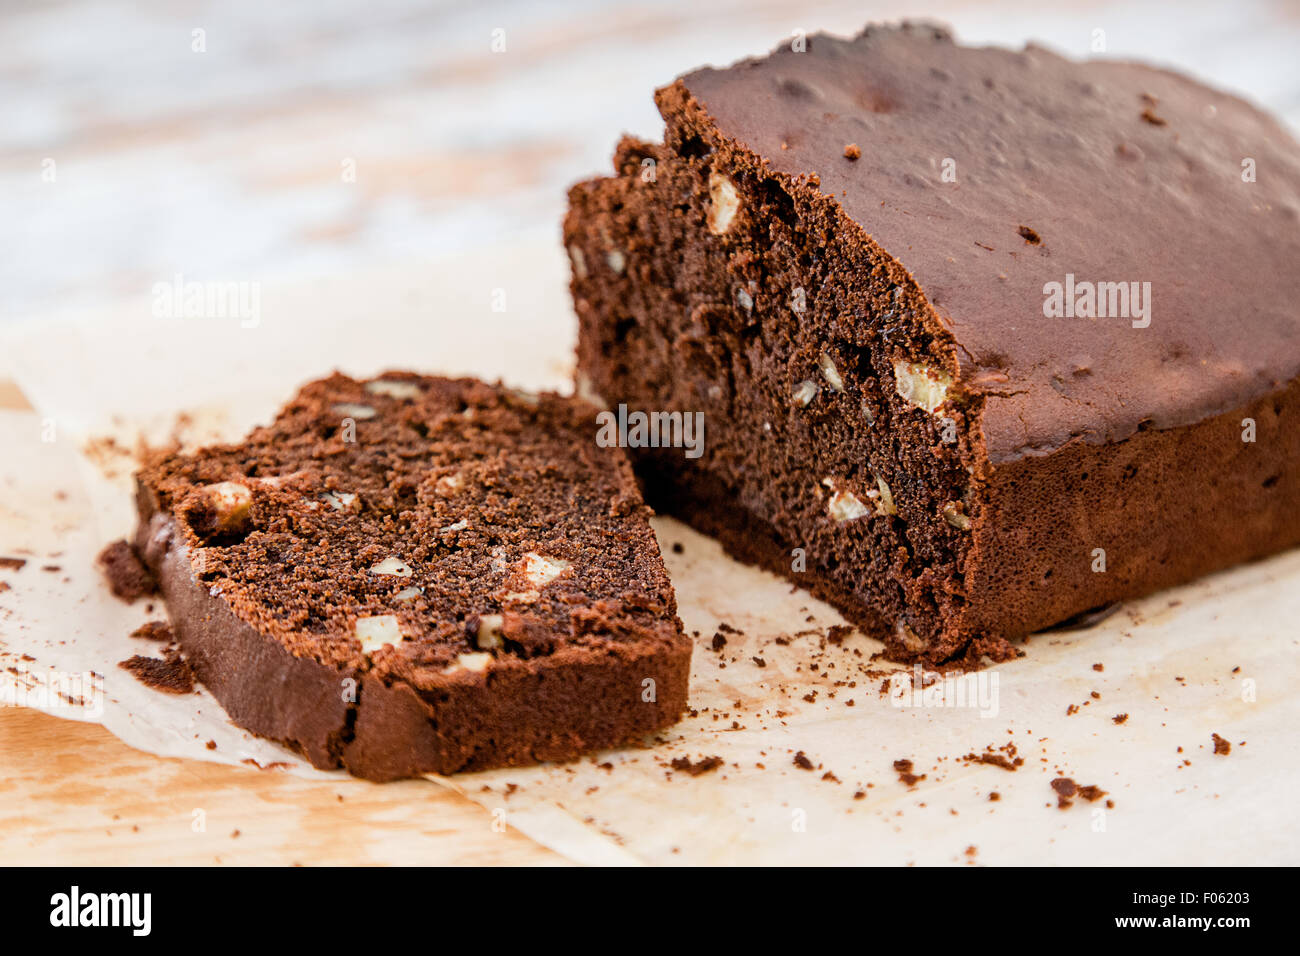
412,574
983,339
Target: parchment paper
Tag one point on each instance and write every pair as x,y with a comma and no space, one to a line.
806,736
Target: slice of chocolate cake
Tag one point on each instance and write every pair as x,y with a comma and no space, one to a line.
413,574
983,339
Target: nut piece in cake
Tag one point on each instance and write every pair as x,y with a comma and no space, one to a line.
220,509
476,662
540,570
909,638
579,261
449,484
341,500
353,410
394,389
921,385
394,566
520,597
953,514
375,632
805,392
844,505
230,500
276,481
724,203
831,373
884,500
487,633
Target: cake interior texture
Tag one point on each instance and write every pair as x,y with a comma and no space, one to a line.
414,574
841,255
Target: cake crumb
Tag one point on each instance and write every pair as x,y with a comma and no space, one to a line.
128,578
171,674
1004,757
836,633
1150,116
153,631
703,765
904,769
1066,789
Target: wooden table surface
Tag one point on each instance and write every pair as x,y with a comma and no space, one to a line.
230,163
73,794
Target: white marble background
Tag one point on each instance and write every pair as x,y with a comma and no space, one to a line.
227,164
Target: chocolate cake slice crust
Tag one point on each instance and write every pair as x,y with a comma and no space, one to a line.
842,255
412,574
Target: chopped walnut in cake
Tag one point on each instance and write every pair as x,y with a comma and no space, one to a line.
921,385
375,632
724,203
